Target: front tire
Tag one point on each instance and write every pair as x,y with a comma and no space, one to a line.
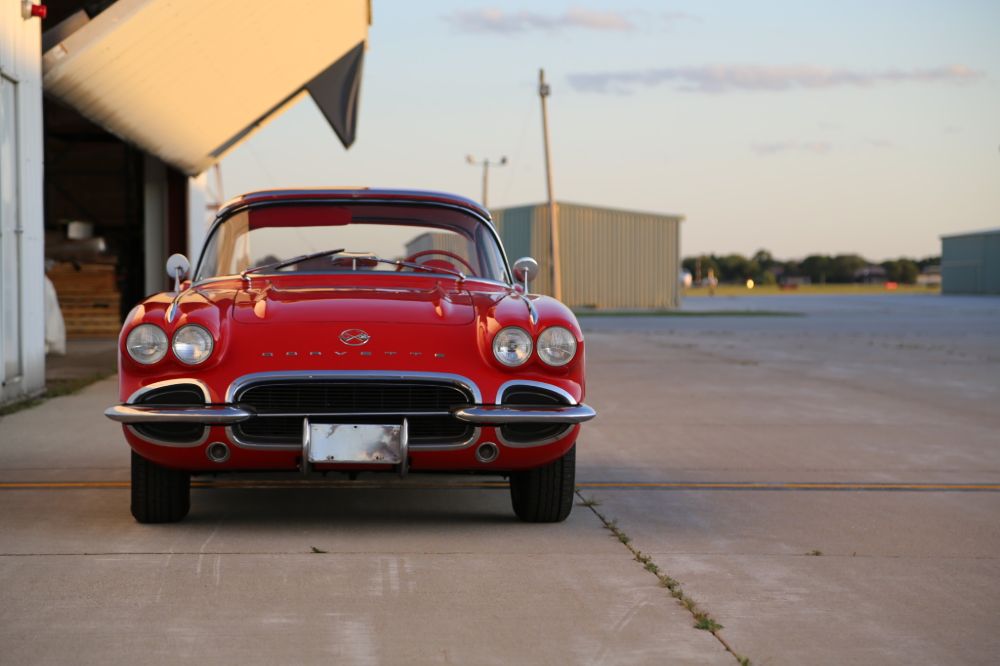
159,495
545,494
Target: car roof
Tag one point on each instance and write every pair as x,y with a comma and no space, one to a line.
353,194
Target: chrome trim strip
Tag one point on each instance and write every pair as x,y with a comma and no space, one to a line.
162,442
170,382
242,382
532,312
208,415
500,414
506,386
171,312
257,377
236,276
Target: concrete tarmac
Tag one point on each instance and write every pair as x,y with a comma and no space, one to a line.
887,404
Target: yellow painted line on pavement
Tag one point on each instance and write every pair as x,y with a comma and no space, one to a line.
750,485
593,485
53,485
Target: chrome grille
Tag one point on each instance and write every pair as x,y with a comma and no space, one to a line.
281,406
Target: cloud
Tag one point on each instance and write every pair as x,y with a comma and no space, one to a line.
776,147
500,22
674,17
729,78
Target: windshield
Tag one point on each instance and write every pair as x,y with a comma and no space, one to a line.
363,237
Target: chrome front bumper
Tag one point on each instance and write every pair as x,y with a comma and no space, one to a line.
228,414
208,415
501,414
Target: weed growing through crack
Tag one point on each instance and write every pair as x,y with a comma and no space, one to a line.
815,553
319,550
707,624
703,620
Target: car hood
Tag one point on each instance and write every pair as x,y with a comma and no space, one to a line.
428,304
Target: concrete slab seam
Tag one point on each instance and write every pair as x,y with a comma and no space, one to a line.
243,484
703,619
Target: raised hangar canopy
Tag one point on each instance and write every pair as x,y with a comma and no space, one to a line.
187,80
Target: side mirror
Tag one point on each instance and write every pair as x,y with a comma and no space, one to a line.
178,267
525,270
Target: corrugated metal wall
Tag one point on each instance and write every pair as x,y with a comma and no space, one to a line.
970,263
449,241
22,233
610,258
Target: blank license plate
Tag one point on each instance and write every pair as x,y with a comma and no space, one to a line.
370,444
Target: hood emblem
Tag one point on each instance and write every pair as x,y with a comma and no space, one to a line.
354,337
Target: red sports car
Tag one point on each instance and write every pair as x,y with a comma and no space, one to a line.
351,331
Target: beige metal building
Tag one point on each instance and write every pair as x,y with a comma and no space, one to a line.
611,258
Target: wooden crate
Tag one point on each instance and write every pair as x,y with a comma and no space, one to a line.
88,298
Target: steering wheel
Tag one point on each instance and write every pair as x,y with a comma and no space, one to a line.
423,253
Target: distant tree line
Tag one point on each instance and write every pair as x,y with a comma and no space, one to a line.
763,268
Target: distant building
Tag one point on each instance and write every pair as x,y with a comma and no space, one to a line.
611,258
930,276
970,263
871,274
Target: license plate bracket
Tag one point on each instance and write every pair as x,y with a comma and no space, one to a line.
354,444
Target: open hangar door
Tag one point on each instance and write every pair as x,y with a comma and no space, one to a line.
112,215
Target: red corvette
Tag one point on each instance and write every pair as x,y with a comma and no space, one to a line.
351,331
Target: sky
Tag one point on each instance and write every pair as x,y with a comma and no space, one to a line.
799,127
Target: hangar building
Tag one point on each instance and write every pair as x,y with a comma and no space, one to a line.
126,103
970,263
611,258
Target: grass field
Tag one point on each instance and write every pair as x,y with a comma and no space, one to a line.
811,289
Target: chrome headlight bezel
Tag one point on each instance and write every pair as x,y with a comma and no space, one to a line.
501,341
192,337
158,342
557,352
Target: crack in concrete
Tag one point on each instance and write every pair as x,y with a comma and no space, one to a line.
703,620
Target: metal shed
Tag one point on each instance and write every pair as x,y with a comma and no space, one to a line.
611,258
970,263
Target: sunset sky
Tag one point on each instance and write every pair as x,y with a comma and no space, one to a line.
800,127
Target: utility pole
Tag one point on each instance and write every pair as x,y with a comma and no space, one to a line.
543,92
486,172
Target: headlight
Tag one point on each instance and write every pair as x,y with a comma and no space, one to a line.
192,344
556,346
146,344
512,346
